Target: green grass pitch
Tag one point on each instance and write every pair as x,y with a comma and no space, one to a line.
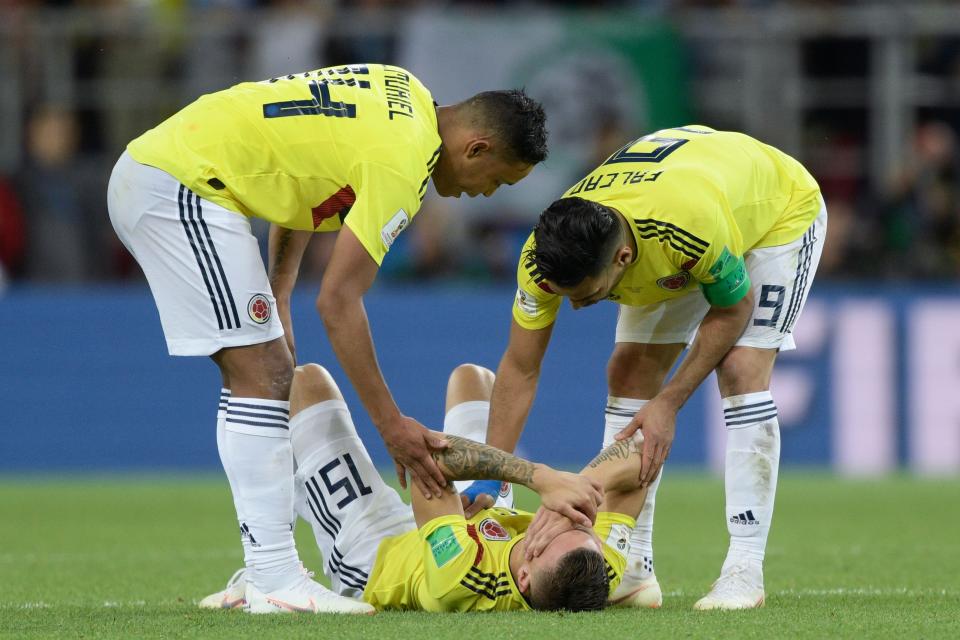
126,557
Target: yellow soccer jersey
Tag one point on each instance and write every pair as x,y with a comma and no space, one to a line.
454,564
305,150
692,195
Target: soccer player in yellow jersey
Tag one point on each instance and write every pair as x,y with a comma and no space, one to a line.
349,149
431,557
683,228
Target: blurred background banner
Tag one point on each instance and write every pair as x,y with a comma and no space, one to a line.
601,77
88,385
865,94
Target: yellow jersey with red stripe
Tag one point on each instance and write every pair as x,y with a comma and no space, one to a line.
694,198
455,564
350,145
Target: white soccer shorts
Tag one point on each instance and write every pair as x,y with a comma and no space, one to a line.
780,278
202,262
341,494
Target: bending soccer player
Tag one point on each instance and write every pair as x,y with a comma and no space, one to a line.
431,557
348,149
683,228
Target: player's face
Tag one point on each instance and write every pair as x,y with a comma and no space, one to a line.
477,170
560,546
592,289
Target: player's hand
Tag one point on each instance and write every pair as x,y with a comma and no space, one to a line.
479,496
546,526
657,422
409,444
569,494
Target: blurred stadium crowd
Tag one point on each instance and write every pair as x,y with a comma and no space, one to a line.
129,64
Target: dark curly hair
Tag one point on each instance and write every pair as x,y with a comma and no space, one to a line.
578,583
514,118
573,240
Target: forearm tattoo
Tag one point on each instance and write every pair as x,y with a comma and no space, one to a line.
469,460
618,450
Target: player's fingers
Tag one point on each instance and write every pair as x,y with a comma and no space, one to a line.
655,461
427,466
465,503
576,516
536,524
483,501
546,537
628,431
646,459
597,491
436,441
428,490
425,479
401,474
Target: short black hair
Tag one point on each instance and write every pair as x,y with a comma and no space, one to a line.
578,583
514,118
572,240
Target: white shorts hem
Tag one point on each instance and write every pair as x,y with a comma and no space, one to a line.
205,347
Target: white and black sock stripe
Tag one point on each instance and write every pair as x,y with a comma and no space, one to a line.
251,415
751,413
224,399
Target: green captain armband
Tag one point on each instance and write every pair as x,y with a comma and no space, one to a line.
731,281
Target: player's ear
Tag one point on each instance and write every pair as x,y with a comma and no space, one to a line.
523,579
477,147
623,256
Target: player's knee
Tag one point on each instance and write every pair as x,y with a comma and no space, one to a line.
745,370
312,383
469,382
638,370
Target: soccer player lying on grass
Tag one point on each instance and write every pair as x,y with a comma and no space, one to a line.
431,557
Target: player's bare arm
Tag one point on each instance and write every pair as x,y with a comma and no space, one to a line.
617,468
284,254
348,276
575,496
516,384
719,331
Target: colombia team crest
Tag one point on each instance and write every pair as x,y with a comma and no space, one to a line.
675,282
259,308
492,530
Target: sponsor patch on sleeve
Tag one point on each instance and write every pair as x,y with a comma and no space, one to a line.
619,539
444,545
527,303
394,226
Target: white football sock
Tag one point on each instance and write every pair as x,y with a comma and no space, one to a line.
618,414
259,460
750,476
469,420
221,444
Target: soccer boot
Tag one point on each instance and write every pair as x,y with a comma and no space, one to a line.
638,593
232,596
303,596
740,586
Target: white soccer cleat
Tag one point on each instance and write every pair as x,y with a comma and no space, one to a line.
304,596
232,596
740,586
638,593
